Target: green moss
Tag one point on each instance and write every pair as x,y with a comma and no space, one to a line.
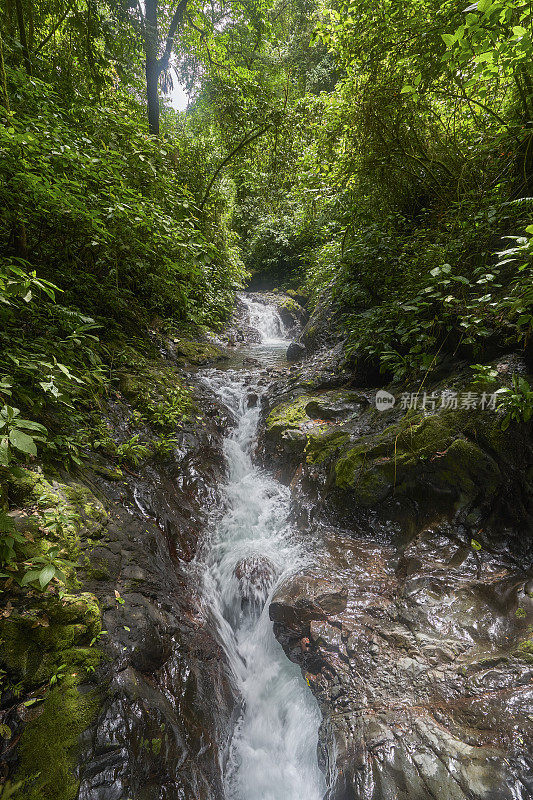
114,474
49,743
414,451
299,294
97,571
288,415
55,514
35,642
20,484
159,393
467,468
310,333
49,640
289,305
324,444
524,651
197,352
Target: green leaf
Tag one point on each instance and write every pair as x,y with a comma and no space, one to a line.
30,576
4,452
22,442
29,425
449,39
485,57
46,575
5,732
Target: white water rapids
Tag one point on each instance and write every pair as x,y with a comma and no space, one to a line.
273,749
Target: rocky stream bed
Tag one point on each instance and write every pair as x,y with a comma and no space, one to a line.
388,552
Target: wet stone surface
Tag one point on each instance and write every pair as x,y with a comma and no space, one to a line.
168,701
420,530
424,679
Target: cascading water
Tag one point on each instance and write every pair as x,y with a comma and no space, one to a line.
273,749
267,322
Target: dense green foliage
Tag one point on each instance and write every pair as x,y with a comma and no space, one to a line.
379,156
398,175
104,252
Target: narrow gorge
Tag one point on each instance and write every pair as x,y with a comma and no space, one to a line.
266,400
376,550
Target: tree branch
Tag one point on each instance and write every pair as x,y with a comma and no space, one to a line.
245,141
54,29
175,23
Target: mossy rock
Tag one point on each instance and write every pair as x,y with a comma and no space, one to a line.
288,415
71,507
301,295
197,353
323,444
429,452
160,394
111,474
20,484
308,408
36,641
50,743
524,651
290,305
45,640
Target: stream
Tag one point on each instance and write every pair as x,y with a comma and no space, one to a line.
272,754
413,629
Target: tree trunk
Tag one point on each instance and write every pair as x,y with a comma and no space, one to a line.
3,82
153,69
152,94
22,36
20,239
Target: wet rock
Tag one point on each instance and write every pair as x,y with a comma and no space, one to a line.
295,351
325,635
292,313
303,599
422,690
323,328
167,697
294,441
251,399
255,575
401,464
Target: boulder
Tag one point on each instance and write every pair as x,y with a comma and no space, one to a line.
423,677
304,598
256,575
295,351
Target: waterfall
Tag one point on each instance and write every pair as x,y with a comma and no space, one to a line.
266,320
272,754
